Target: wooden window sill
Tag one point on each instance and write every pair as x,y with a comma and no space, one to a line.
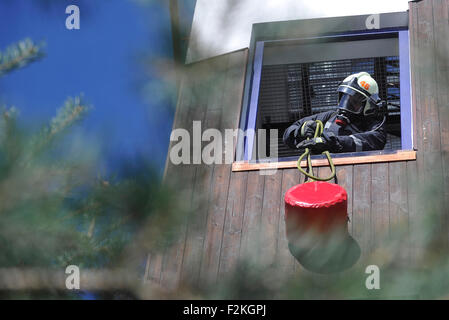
338,161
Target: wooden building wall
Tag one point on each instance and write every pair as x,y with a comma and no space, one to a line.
234,214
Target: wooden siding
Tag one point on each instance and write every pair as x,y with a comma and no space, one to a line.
235,214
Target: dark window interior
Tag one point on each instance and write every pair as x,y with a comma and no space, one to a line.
289,92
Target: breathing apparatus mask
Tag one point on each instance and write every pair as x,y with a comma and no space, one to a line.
358,97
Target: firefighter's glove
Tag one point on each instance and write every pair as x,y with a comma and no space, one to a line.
316,145
308,129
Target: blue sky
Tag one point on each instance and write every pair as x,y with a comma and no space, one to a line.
102,60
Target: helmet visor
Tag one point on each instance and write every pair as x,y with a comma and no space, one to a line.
352,101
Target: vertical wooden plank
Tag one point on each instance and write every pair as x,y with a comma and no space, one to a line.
296,265
380,197
232,101
361,207
399,218
430,168
285,260
445,159
196,224
426,65
441,31
173,255
432,188
441,59
344,178
215,224
414,168
234,223
398,193
252,215
413,211
269,226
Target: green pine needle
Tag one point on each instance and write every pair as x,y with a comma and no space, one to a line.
19,55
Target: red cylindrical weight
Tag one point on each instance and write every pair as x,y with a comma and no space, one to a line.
319,207
316,223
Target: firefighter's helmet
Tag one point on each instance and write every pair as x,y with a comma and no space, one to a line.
359,94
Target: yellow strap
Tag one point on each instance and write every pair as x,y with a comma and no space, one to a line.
318,133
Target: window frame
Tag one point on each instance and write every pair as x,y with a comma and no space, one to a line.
246,145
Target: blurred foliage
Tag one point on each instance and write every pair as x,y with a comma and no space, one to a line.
19,55
55,209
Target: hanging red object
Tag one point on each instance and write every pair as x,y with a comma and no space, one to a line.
318,205
316,224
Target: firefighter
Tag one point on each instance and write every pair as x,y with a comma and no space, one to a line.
357,125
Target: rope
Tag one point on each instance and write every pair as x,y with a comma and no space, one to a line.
318,133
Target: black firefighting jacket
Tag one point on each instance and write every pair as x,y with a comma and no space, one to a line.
354,137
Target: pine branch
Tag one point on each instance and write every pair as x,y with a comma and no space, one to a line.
73,111
19,55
